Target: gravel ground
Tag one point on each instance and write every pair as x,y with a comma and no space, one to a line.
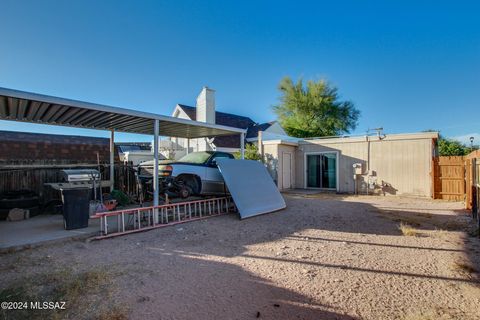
324,257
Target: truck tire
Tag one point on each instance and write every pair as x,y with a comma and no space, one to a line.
4,213
191,185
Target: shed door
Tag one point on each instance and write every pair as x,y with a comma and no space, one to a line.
286,170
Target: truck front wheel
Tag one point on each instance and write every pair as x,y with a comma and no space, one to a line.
187,186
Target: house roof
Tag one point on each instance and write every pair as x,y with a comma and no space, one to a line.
230,120
221,118
253,131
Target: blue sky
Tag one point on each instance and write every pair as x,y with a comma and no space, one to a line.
407,65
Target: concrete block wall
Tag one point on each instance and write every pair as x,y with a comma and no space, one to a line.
21,147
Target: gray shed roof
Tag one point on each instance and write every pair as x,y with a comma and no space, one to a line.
37,108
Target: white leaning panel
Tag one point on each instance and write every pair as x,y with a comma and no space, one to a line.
251,186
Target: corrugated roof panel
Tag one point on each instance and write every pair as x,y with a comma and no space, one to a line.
251,186
41,111
32,110
31,107
3,107
85,117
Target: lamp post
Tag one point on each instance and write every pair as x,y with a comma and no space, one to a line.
471,142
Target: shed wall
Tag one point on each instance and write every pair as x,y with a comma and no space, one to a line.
270,153
402,164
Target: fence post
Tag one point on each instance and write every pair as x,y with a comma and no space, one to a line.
433,177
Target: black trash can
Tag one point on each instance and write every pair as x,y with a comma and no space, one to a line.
76,208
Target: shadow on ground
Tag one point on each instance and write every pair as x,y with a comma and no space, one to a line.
203,270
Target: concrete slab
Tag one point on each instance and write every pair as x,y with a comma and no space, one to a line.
306,191
40,229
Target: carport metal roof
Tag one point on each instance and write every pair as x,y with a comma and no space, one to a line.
37,108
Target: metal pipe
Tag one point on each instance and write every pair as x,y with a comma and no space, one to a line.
260,145
242,145
112,159
156,130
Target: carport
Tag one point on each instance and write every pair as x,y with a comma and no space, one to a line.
42,109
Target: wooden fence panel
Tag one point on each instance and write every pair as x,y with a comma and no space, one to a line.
472,163
475,186
449,178
476,191
469,182
33,177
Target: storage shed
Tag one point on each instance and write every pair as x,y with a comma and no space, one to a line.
382,164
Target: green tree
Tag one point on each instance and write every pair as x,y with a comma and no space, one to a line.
251,152
314,110
450,147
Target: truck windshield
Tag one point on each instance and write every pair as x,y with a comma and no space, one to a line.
196,157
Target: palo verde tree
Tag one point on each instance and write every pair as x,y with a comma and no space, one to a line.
314,109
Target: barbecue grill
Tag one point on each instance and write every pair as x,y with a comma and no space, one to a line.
78,179
78,175
76,188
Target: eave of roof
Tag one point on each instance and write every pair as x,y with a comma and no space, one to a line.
372,138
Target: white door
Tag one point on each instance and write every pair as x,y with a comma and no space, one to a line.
287,170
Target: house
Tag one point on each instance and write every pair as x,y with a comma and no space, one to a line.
135,152
395,164
205,111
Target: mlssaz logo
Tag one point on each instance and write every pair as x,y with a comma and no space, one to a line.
47,305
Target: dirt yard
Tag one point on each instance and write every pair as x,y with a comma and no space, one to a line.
325,257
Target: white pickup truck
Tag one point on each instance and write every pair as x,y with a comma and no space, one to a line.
194,174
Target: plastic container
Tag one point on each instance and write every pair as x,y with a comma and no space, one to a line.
76,208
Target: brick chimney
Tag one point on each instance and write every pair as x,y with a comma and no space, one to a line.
206,105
